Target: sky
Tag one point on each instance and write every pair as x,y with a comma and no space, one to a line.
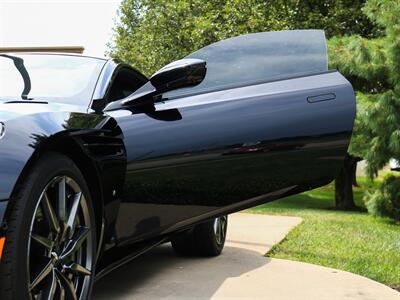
33,23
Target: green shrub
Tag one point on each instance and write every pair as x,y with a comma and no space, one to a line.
385,201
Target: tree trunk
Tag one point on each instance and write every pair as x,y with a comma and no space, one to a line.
344,184
355,183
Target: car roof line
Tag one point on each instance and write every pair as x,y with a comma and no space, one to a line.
57,54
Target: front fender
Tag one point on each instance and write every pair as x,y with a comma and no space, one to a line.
27,135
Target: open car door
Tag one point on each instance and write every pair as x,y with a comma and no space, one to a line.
269,120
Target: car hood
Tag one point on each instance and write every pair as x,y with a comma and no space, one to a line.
14,109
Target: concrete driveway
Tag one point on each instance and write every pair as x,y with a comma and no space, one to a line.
241,272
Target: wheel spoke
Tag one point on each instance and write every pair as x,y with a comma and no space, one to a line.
50,289
62,208
74,244
77,269
48,244
62,211
51,216
43,271
67,285
73,213
61,289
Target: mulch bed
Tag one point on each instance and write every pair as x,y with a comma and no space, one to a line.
397,288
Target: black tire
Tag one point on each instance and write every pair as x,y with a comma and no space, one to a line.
203,239
26,214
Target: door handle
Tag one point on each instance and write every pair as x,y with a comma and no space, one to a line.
319,98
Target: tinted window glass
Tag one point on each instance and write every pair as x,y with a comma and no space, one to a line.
260,57
58,78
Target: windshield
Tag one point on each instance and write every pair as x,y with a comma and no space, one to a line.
53,78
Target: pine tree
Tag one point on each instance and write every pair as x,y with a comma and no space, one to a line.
373,67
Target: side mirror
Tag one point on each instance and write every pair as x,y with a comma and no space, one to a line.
178,74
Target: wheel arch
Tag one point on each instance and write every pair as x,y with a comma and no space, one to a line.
71,148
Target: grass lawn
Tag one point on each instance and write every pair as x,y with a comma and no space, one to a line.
350,241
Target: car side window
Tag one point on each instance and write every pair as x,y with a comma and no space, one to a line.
260,57
126,82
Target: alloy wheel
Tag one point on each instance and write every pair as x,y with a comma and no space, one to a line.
220,229
60,253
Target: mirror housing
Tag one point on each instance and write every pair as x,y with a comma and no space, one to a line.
178,74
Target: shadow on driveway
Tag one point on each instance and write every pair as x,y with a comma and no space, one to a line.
161,274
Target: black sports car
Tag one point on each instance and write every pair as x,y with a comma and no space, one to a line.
99,163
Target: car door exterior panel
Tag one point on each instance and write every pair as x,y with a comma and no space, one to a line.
231,146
